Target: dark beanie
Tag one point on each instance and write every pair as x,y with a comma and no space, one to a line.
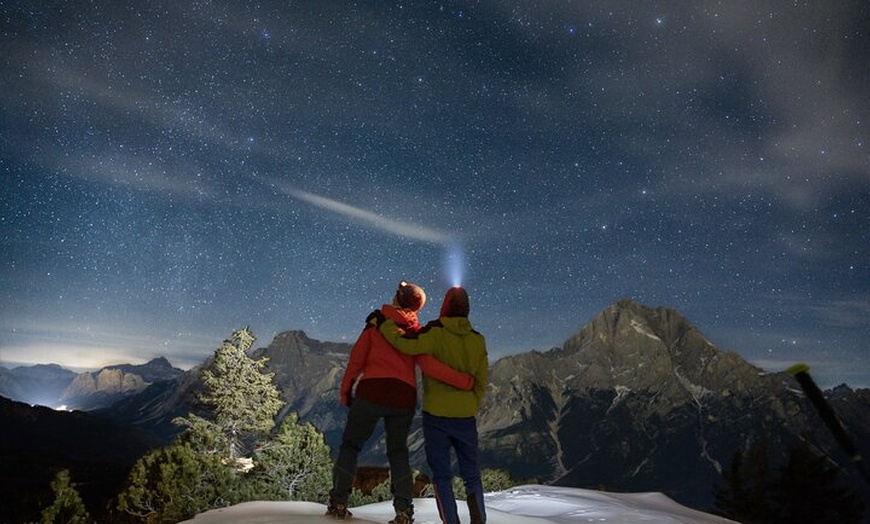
455,303
410,296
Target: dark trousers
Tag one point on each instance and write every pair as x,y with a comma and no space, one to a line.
361,421
441,434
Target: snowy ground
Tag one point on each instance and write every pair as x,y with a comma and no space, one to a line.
531,504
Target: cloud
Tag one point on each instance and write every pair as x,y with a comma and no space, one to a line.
141,105
133,172
825,372
92,346
846,313
773,114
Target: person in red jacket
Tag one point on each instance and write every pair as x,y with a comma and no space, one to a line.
386,388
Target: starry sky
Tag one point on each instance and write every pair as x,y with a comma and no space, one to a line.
173,171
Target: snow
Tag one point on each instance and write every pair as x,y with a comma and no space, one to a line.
642,329
529,504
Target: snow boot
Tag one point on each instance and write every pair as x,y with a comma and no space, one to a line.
403,516
338,511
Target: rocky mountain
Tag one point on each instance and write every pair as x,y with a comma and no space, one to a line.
155,370
41,384
637,400
53,386
94,390
154,408
307,372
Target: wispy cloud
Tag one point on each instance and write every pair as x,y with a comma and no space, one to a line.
132,172
95,345
848,313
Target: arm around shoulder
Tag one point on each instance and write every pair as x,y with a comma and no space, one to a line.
438,370
417,345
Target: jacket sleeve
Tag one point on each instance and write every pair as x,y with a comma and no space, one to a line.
438,370
355,365
420,344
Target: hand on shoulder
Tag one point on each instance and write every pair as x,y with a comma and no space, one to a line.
375,318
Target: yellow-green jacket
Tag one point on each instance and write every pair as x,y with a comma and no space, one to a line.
454,342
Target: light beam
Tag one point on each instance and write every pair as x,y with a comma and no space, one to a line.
455,264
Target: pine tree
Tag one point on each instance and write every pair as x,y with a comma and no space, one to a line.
244,399
747,495
233,456
494,479
294,464
67,507
176,482
803,490
809,492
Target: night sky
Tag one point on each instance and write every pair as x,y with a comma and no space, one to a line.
173,171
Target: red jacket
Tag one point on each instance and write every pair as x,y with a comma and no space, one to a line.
383,375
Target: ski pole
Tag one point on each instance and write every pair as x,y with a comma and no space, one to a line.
801,373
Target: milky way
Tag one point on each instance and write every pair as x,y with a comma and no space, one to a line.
174,171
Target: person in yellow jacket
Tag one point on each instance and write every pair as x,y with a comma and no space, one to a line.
381,384
449,414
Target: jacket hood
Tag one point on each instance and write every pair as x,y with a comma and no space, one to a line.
455,303
404,318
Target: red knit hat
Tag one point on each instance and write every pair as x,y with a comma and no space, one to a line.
410,296
455,303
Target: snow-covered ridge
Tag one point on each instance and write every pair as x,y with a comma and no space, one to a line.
529,504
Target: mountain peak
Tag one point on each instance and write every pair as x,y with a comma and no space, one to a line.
632,347
158,362
632,322
656,349
154,370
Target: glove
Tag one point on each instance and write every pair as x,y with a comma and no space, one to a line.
346,398
376,318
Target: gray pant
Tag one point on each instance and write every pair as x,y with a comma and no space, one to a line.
361,421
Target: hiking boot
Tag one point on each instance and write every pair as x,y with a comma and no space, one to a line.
338,511
403,516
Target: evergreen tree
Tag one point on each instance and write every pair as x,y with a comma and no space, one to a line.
244,399
231,457
176,482
730,498
809,492
67,507
749,487
495,479
803,490
294,464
